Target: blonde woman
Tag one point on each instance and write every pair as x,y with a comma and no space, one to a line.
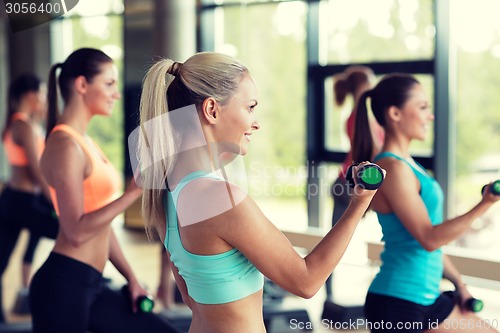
219,241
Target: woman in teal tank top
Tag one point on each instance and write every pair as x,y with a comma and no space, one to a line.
405,293
196,117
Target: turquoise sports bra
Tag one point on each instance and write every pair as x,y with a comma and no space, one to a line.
210,279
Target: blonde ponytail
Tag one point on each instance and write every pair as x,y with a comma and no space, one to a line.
156,143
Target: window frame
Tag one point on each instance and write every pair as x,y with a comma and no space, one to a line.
442,67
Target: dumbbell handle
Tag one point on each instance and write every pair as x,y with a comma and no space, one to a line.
472,304
143,303
494,188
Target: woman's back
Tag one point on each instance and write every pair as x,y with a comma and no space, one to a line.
409,271
15,143
68,150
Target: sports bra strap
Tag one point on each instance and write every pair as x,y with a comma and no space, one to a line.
415,167
187,179
174,195
389,154
76,136
19,116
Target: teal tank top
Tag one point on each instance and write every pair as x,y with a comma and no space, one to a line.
210,279
408,271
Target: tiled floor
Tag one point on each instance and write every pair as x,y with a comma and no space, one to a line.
350,281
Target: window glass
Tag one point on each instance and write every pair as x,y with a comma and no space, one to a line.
241,2
367,31
96,8
336,138
476,30
104,32
270,40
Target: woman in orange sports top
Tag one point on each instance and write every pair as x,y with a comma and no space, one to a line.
68,293
25,201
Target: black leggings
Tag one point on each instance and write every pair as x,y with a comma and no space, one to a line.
67,295
391,314
23,210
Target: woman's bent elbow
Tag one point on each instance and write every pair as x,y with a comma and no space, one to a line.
430,246
307,292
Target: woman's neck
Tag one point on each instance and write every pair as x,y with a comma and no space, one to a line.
188,161
397,145
76,116
208,158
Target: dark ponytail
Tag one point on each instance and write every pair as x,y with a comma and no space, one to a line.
84,62
392,90
53,108
340,89
22,85
362,148
350,81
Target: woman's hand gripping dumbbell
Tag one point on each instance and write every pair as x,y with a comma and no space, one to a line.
144,303
471,304
368,175
494,187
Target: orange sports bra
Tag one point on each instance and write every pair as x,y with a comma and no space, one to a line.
103,183
15,153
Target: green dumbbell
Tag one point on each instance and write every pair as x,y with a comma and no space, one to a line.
472,304
369,176
495,187
144,303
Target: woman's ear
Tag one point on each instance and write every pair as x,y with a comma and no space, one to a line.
80,84
210,110
394,114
